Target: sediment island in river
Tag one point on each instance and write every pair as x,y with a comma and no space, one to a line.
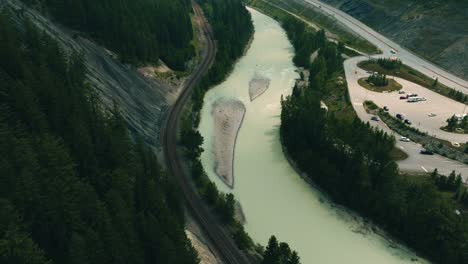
257,86
227,117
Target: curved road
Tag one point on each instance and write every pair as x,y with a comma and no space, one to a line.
415,161
386,45
210,225
418,113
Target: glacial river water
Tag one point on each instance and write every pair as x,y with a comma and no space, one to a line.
274,198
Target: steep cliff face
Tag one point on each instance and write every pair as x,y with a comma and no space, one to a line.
142,101
437,30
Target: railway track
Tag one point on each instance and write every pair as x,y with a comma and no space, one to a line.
223,242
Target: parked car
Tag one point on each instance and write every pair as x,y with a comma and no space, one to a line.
416,99
392,51
399,116
432,115
403,97
456,144
426,152
374,118
405,139
385,108
412,95
401,92
407,122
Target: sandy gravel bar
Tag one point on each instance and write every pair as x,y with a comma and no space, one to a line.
257,86
228,115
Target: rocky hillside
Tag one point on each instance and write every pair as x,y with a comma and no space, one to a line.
142,101
435,29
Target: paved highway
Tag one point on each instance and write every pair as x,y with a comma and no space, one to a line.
216,233
386,45
415,162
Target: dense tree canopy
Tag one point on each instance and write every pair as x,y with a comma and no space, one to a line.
304,40
279,253
389,64
351,161
232,27
137,30
378,79
73,187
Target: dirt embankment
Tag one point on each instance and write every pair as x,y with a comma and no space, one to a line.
142,101
436,30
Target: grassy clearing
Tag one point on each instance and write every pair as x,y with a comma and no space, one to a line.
390,87
417,77
274,8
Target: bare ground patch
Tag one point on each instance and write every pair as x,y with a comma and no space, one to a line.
257,86
228,115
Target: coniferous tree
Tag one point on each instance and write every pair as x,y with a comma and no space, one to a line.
351,161
73,186
139,31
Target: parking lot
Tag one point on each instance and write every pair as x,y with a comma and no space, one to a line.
419,113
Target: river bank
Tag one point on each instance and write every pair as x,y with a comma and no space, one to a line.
364,226
275,200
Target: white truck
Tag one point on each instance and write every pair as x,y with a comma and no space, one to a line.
416,99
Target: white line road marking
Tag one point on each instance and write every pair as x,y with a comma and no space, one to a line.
424,169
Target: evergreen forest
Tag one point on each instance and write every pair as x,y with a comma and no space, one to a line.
74,188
